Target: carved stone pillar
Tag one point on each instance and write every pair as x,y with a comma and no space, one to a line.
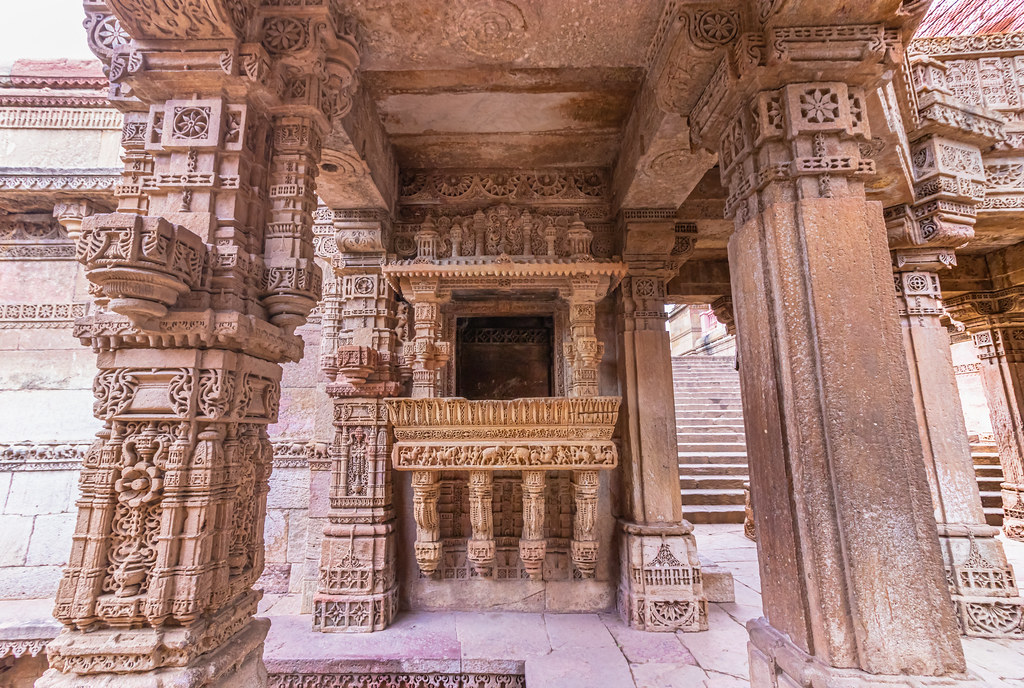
660,585
948,177
996,321
426,490
191,327
357,588
841,502
480,550
533,545
583,546
980,579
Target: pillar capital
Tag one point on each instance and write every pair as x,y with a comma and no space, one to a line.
982,310
857,55
799,141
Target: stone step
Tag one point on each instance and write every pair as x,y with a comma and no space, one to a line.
985,458
714,513
724,405
992,500
716,458
727,416
988,472
708,424
713,447
690,438
711,482
990,482
713,496
994,516
694,469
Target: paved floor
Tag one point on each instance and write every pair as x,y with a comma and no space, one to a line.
554,650
585,650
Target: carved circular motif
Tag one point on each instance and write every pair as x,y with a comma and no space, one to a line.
916,283
547,184
284,34
500,185
191,122
491,27
363,285
717,27
644,288
452,185
819,105
108,34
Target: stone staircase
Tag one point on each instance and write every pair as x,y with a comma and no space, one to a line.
990,474
712,448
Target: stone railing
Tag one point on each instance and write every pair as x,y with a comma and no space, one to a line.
528,435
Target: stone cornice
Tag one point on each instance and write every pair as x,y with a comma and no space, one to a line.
68,456
59,118
961,46
37,179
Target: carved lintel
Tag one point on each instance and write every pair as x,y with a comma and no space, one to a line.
426,490
480,549
533,546
583,547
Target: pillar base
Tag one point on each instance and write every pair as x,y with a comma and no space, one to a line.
660,586
775,662
357,589
354,613
981,582
105,657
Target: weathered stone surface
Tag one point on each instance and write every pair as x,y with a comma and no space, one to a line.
500,163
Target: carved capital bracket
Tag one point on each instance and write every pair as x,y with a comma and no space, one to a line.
799,141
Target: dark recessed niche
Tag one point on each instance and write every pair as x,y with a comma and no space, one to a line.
504,358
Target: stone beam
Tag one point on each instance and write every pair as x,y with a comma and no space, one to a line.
358,168
656,166
699,282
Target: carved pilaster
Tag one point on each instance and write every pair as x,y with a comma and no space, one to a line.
481,548
357,588
655,247
532,545
583,546
426,490
987,606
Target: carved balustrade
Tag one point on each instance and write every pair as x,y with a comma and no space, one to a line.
532,436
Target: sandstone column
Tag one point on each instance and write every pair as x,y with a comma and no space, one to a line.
996,322
201,278
357,588
660,581
948,176
851,571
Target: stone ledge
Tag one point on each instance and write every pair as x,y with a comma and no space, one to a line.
26,626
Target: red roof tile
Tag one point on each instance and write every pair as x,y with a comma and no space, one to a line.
967,17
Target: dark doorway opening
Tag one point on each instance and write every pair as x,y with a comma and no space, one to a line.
504,358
